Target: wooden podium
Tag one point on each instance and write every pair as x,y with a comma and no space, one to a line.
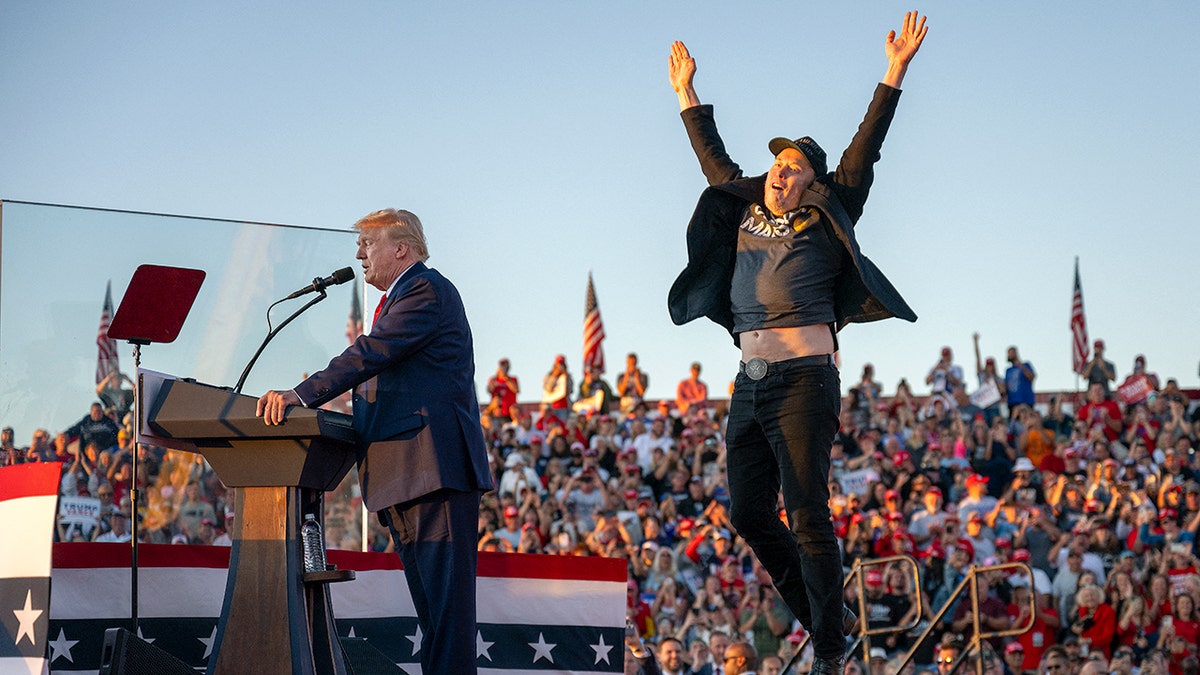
276,619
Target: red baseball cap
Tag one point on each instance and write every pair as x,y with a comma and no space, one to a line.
1021,555
511,512
967,546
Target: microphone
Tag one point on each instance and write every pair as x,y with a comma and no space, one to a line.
339,277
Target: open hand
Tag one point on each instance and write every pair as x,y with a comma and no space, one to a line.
900,48
682,67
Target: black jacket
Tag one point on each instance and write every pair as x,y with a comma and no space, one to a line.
862,292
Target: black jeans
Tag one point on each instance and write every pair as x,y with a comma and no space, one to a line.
778,437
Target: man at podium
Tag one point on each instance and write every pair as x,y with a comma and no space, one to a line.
422,459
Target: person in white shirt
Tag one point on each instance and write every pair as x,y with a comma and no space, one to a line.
120,529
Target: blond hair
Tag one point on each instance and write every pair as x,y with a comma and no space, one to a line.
402,227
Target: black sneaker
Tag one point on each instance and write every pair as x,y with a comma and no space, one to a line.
849,620
822,666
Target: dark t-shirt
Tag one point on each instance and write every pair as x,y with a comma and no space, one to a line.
785,271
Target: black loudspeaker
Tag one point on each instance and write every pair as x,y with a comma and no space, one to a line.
365,659
127,654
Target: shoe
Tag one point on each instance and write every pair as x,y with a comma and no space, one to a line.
849,620
822,666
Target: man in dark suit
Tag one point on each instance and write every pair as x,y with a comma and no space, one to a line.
422,459
774,260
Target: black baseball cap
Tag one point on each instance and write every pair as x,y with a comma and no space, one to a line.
807,147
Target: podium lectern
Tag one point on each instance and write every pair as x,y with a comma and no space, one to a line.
275,620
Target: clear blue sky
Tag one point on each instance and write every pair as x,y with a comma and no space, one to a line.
538,140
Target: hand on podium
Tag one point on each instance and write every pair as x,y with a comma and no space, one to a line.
273,404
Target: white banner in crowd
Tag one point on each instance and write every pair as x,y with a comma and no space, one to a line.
858,482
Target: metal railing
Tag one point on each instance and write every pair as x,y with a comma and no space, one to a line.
862,636
863,633
970,581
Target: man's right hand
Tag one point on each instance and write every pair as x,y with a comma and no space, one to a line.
273,404
682,70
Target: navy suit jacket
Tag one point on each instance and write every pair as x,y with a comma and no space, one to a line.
415,410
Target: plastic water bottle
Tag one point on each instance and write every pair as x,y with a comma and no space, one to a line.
314,544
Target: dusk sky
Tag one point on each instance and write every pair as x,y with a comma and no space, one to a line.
540,140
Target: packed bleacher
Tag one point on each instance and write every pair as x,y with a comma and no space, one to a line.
1098,494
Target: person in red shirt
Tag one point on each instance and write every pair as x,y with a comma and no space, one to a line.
1096,621
1100,413
1184,623
691,396
1043,623
637,611
895,540
503,389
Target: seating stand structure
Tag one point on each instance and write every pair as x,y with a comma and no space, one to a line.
276,619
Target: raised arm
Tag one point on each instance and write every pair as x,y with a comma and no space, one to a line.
715,162
682,71
855,170
901,48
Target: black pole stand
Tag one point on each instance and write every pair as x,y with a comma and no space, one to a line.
153,309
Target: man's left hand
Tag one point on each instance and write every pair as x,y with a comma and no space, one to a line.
273,404
902,47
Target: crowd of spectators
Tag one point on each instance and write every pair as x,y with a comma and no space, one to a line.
1099,497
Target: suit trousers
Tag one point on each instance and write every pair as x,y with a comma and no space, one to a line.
436,539
778,438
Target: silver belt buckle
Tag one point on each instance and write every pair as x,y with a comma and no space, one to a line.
756,368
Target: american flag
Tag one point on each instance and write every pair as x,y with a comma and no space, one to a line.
593,330
354,324
537,613
1079,337
107,360
28,494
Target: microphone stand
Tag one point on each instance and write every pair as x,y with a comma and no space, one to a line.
134,492
245,373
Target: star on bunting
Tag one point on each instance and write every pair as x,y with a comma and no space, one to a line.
482,646
416,638
208,643
61,646
602,650
26,618
541,649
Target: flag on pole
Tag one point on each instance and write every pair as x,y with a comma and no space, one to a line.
1079,336
593,330
28,497
354,325
107,360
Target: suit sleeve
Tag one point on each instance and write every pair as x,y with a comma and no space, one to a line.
407,324
707,144
856,169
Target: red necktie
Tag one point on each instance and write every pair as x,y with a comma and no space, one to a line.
379,308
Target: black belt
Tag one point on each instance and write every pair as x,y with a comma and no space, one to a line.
757,368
